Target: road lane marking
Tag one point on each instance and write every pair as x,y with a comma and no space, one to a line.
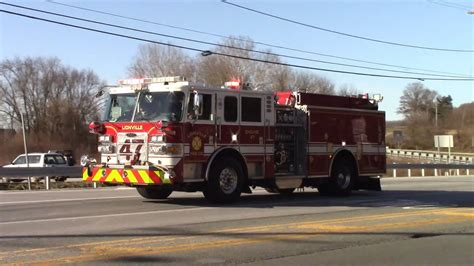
359,218
111,252
105,215
322,223
65,200
62,190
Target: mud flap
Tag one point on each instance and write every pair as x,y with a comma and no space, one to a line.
246,189
369,183
374,184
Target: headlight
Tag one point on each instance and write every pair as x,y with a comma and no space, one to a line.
105,138
157,138
155,149
106,148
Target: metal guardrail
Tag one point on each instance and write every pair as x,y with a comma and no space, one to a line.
76,171
432,155
453,168
72,171
467,154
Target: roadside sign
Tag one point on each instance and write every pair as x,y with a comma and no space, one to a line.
443,141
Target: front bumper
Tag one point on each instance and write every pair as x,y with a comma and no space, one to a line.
135,175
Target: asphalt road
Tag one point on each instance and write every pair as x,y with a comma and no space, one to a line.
413,221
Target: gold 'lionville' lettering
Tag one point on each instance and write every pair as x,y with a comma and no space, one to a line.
132,127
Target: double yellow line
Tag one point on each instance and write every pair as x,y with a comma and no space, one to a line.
121,247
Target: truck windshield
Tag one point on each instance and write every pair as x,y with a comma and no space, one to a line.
151,106
121,107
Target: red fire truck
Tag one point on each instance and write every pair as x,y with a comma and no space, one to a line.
165,134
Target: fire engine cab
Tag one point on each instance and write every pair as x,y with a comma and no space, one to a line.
165,134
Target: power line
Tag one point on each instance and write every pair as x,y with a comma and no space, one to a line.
447,4
346,34
221,45
207,52
452,4
245,40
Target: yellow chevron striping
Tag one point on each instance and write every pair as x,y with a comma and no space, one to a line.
113,175
146,178
85,174
118,178
97,175
131,176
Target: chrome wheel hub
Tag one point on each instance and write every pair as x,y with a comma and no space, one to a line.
228,180
343,180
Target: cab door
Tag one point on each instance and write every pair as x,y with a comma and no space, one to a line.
227,120
200,133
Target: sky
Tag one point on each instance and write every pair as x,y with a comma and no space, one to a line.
414,22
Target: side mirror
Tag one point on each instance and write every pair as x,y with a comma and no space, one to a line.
100,92
197,104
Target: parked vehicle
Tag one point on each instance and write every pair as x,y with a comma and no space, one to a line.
50,159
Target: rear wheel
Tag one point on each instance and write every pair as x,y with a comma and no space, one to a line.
342,179
155,192
225,181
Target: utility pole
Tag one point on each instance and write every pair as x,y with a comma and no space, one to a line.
25,146
436,114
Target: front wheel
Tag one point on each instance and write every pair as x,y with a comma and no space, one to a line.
225,181
155,192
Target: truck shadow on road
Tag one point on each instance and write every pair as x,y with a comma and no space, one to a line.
291,229
311,198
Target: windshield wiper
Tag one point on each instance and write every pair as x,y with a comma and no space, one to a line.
142,117
137,102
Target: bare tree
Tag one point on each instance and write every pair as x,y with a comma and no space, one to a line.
154,60
56,99
310,82
348,90
216,70
416,101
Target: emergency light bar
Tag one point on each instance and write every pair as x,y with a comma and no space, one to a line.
131,81
233,84
151,80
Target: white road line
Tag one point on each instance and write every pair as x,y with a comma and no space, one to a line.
105,216
65,190
60,200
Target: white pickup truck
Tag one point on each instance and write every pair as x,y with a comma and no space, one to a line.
38,160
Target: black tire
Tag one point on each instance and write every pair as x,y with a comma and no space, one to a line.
342,180
155,192
283,191
225,183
